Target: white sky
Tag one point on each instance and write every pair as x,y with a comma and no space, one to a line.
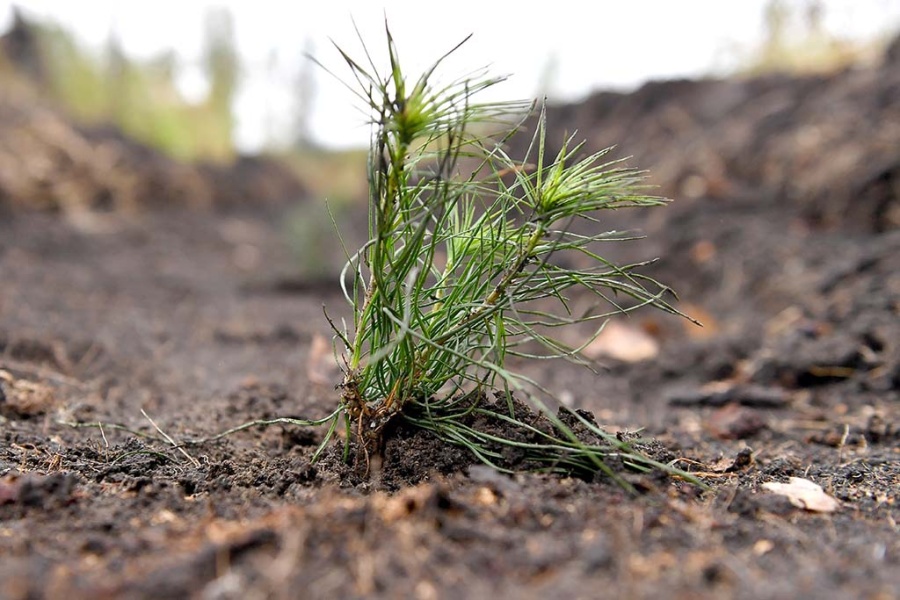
584,46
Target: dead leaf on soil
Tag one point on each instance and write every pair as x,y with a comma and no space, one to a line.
742,460
320,366
623,341
702,252
735,422
763,547
23,399
710,327
805,494
10,486
428,499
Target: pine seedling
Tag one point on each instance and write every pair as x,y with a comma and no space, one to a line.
469,263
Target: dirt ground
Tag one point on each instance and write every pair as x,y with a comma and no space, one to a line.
202,320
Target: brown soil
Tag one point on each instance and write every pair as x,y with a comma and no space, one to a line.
197,319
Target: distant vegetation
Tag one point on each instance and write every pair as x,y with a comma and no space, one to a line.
142,99
139,97
797,41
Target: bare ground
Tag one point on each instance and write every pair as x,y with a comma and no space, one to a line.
165,315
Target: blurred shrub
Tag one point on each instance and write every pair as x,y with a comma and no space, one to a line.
797,42
139,97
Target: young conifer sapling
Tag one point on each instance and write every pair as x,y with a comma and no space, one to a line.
474,258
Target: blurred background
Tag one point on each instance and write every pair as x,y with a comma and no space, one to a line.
203,79
110,107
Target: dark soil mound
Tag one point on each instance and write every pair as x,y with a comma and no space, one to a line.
49,163
412,455
829,144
